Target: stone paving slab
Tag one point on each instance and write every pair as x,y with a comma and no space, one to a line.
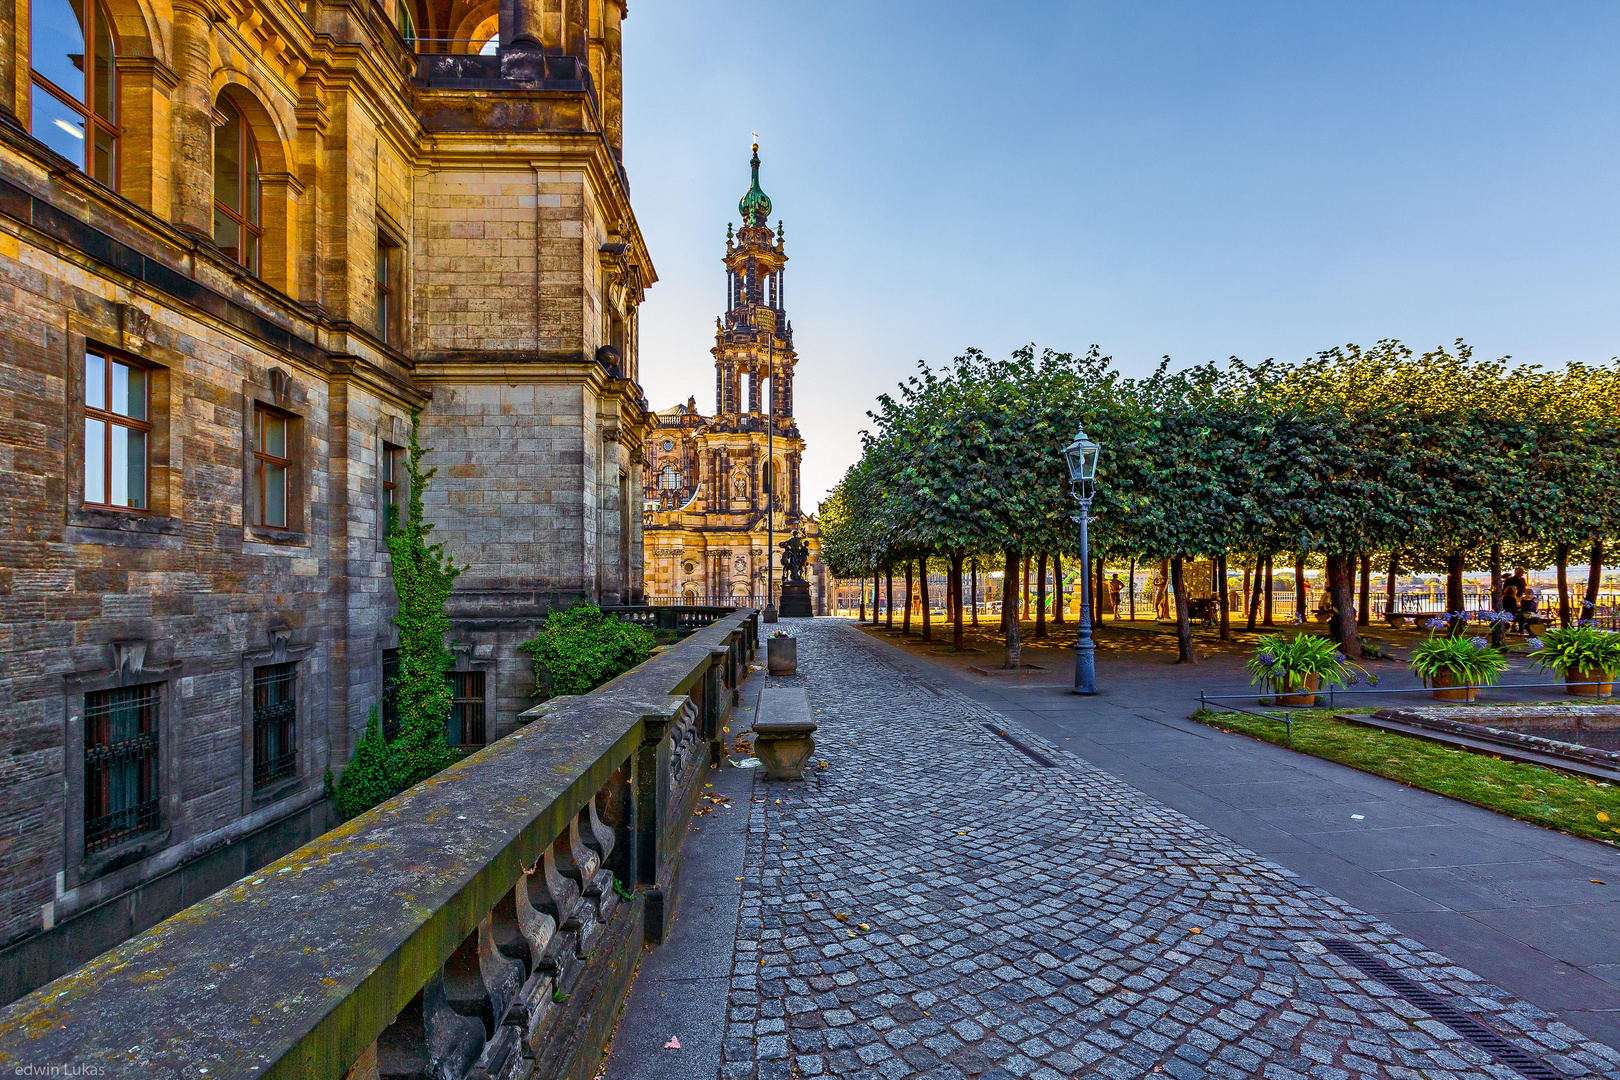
937,903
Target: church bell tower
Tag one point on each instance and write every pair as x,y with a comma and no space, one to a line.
754,340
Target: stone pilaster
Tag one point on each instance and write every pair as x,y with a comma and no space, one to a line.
192,120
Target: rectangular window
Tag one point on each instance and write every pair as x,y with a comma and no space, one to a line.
387,274
393,471
120,764
465,726
117,432
275,723
390,693
271,458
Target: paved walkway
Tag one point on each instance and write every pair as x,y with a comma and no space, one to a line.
944,901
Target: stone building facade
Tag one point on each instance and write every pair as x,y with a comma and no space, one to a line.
708,538
241,242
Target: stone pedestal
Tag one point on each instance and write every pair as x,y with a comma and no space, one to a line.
784,733
796,601
782,655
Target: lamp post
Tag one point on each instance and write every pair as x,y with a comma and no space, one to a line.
1081,458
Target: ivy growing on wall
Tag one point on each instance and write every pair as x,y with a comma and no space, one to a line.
423,575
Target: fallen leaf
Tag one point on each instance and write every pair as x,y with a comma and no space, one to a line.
863,926
673,1044
1602,816
840,916
1196,930
1595,881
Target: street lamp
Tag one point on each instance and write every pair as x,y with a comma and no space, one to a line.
1081,458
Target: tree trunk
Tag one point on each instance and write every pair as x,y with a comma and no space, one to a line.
1024,600
955,586
1010,625
1594,579
1389,581
1342,598
1454,593
1133,588
1178,586
1057,589
905,620
975,590
1563,585
1040,595
888,601
1096,588
922,591
1364,609
1260,563
1300,614
861,588
1269,594
1496,577
1220,591
1248,583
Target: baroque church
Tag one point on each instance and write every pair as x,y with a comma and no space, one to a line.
707,527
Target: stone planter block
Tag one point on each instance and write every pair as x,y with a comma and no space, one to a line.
784,733
782,655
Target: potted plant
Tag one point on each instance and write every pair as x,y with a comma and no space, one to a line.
782,654
1455,668
1293,669
1583,656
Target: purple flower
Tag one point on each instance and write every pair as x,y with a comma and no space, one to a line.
1586,622
1372,680
1479,643
1537,644
1266,659
1436,623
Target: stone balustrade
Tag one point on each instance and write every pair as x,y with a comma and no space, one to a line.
483,924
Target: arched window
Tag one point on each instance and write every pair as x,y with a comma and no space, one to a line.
75,93
407,24
669,478
490,47
237,229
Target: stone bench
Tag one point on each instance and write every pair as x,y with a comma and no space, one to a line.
784,733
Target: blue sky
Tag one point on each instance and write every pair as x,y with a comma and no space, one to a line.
1195,179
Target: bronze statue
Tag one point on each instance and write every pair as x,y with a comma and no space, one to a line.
795,557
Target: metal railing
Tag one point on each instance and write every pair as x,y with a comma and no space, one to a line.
484,923
681,618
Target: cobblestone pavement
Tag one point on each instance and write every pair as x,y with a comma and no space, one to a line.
938,903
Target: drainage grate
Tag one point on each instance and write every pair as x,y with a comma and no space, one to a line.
1467,1026
1034,755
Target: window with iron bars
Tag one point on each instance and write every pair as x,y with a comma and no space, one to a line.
390,694
120,764
275,723
465,725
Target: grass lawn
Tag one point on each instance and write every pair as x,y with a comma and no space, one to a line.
1572,804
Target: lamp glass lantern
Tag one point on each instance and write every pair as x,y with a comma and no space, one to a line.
1081,457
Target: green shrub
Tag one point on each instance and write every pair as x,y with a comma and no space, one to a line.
1581,648
579,649
1283,664
369,779
1471,661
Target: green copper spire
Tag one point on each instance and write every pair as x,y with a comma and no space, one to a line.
756,205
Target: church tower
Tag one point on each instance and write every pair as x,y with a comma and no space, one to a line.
710,480
754,340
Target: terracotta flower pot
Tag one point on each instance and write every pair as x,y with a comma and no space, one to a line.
1448,688
1295,683
1603,679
